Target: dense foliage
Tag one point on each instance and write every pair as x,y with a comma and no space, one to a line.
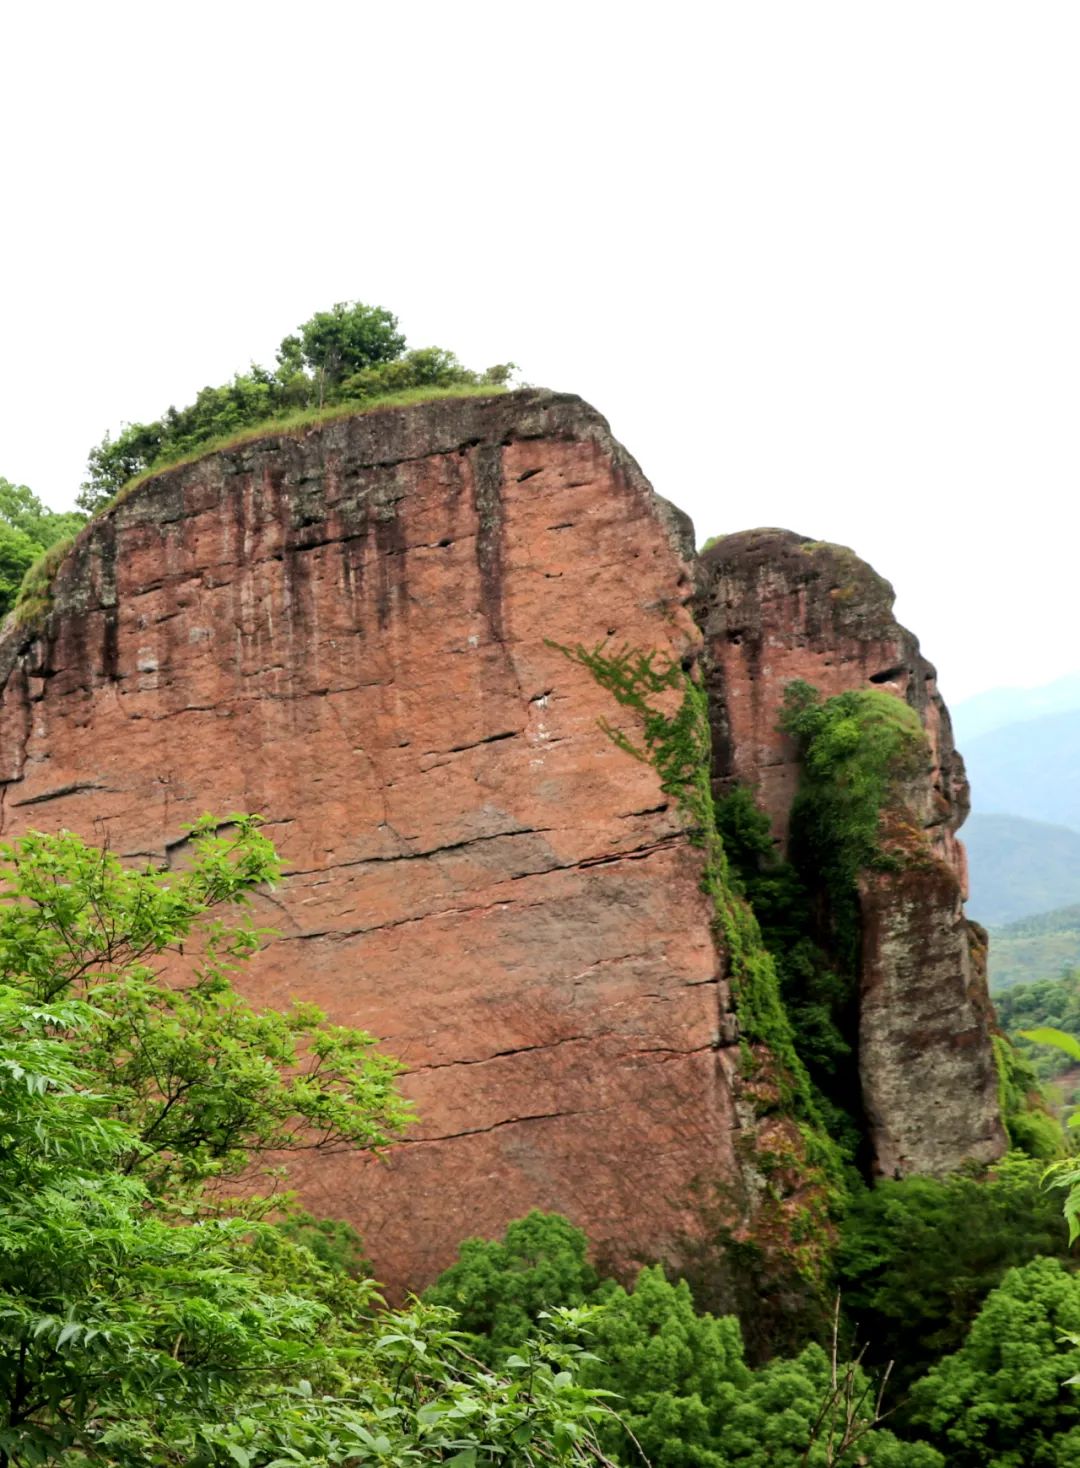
1048,1002
854,748
350,354
146,1318
1003,1398
819,999
918,1257
27,530
686,1395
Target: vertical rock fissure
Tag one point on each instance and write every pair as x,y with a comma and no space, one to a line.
487,497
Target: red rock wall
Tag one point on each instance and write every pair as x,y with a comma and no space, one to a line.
776,607
347,631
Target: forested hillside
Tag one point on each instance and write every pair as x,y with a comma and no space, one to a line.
1020,868
1035,948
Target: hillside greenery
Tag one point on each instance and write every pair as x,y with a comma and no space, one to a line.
340,361
152,1314
962,1288
1035,948
27,530
689,1400
147,1315
1048,1003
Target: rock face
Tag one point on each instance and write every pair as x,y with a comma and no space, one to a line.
775,607
348,631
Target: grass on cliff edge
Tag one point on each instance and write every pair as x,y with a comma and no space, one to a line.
293,423
33,599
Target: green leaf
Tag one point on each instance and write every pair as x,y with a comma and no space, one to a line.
1046,1035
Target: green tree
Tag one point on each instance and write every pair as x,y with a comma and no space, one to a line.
810,1412
918,1257
345,340
144,1318
677,1374
501,1289
1002,1398
350,354
208,1084
684,1395
27,529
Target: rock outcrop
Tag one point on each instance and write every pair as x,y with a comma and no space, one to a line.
351,629
776,607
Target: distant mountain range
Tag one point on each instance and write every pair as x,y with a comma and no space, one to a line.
997,707
1029,769
1022,750
1019,867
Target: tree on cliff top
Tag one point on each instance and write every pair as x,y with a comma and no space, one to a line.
351,354
27,529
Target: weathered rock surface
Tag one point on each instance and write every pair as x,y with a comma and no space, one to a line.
348,631
776,607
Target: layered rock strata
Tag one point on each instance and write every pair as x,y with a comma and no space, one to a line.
776,607
352,630
349,631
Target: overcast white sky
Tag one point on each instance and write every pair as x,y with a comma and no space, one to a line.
819,263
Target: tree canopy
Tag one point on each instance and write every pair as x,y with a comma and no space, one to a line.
147,1315
27,529
351,354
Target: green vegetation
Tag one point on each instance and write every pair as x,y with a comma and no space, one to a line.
1050,1003
686,1397
27,531
1002,1398
1024,1109
147,1317
676,740
855,748
500,1291
350,357
918,1257
1034,949
819,1000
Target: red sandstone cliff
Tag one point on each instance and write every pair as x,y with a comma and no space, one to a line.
348,629
776,607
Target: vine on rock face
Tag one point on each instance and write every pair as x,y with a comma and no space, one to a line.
855,748
676,740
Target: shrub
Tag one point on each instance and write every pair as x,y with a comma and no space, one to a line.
918,1257
1003,1397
